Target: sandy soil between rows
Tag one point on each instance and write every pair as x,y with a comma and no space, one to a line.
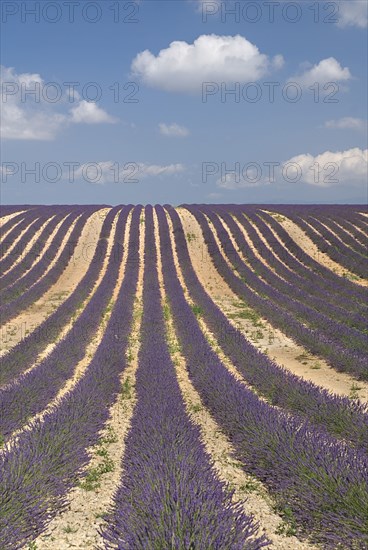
308,246
78,525
14,243
266,338
27,321
28,247
91,348
248,491
8,217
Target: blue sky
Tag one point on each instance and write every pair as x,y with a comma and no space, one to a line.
148,118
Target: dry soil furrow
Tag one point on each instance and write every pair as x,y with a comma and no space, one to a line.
202,324
28,321
78,525
241,253
29,245
69,326
82,365
308,246
9,251
283,350
254,248
348,230
8,217
248,491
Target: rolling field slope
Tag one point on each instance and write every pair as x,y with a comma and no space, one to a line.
185,378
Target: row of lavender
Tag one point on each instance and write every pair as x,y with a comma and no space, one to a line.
28,394
169,496
318,482
322,226
37,282
26,258
290,263
305,307
25,353
128,522
13,286
338,415
46,460
348,233
339,289
13,228
271,304
270,214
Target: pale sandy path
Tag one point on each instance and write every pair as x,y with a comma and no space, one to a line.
78,525
265,337
51,264
210,337
254,248
91,348
308,246
356,228
29,245
27,321
348,230
8,217
14,243
248,491
334,233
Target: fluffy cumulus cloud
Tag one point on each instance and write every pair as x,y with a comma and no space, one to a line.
89,112
329,168
183,67
347,122
353,13
123,173
327,70
174,130
27,113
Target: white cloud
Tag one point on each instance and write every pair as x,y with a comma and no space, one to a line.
353,13
347,122
250,177
27,116
329,169
26,119
90,113
327,70
173,130
129,172
183,67
157,170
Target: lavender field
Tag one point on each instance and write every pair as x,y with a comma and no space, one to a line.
184,378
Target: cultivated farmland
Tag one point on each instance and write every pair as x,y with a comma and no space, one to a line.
184,378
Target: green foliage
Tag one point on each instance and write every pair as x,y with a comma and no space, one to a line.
288,527
126,391
69,529
196,408
250,486
197,310
92,480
